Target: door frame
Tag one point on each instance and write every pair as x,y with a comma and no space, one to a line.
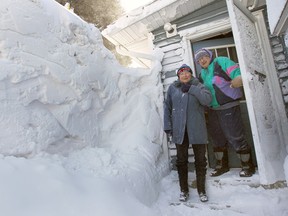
269,127
199,33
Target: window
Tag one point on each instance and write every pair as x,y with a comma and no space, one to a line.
226,50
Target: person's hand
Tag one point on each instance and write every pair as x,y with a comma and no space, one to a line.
195,81
185,88
168,132
236,82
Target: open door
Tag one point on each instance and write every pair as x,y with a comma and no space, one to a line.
265,113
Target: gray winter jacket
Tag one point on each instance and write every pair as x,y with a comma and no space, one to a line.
187,109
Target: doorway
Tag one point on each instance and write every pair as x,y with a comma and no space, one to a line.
223,45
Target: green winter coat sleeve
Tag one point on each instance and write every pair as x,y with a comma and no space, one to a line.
230,67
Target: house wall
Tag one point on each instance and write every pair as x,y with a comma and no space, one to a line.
279,46
279,49
174,54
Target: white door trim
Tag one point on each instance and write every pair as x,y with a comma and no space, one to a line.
258,74
201,32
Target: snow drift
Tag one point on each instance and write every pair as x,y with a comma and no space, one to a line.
63,92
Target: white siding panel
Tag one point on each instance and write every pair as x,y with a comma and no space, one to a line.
139,30
183,9
193,5
172,60
171,66
177,52
158,19
127,37
204,2
132,33
151,22
171,47
141,47
120,37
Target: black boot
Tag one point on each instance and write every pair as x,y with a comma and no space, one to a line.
184,196
201,169
200,184
221,163
248,168
201,181
183,182
203,197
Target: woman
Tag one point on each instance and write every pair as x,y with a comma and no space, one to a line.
184,120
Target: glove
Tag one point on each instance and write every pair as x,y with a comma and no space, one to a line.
185,88
195,82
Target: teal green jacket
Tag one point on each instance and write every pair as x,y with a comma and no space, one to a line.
217,78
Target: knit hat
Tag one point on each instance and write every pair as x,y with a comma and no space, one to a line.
182,68
202,52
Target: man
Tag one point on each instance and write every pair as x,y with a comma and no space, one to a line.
222,77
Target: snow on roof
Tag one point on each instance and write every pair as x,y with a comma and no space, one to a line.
131,32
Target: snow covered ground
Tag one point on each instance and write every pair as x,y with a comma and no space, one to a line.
78,185
81,135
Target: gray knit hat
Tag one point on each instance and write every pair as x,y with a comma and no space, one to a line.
202,52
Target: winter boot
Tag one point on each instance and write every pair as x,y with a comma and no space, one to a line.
248,168
201,188
183,182
221,163
203,197
201,170
184,195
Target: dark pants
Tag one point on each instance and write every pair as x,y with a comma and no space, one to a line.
226,127
200,164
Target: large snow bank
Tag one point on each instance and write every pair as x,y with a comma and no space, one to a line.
63,92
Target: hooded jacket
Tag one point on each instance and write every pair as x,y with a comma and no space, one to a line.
217,78
183,110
